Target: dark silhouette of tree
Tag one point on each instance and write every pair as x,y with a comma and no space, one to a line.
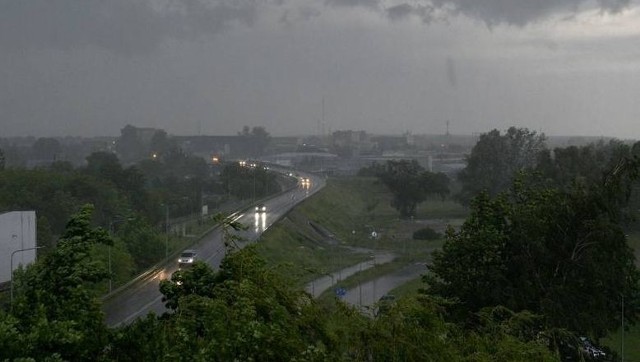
411,185
129,146
46,149
257,139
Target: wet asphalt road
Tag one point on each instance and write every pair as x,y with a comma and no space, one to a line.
143,296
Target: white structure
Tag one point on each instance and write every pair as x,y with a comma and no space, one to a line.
17,231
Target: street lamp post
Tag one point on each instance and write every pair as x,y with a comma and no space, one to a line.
360,288
166,233
622,331
111,232
254,185
11,266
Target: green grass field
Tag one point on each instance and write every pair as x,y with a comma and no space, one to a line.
350,209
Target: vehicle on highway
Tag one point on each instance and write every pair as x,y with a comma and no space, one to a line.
590,350
187,258
261,208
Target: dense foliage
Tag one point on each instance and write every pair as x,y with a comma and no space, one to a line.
426,234
246,310
495,160
55,312
558,253
248,182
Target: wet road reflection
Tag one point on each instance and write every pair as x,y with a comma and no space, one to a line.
142,295
260,222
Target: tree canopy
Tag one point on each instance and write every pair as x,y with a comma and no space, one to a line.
410,184
556,252
55,312
495,160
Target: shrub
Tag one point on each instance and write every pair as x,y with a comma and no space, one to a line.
426,234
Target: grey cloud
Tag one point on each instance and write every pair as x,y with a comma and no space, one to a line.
353,3
451,72
122,26
520,12
304,13
307,13
402,11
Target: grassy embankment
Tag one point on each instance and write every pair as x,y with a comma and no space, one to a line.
349,210
362,205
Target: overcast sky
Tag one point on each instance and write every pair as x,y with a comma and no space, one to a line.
89,67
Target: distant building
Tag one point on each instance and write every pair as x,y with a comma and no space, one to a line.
351,143
17,232
206,146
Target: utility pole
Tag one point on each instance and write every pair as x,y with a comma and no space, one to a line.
322,115
166,233
622,329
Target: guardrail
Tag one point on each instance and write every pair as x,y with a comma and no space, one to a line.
159,265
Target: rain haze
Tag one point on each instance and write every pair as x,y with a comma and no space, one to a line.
90,67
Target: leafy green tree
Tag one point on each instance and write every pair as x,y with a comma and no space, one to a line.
244,311
436,183
558,253
105,165
581,164
142,241
55,310
495,160
411,185
500,334
2,159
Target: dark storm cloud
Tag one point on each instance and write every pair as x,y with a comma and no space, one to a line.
122,26
520,12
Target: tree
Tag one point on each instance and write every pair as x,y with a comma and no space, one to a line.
581,164
142,241
558,253
105,165
257,139
436,183
244,311
2,160
56,311
160,143
248,182
46,148
411,185
129,145
495,160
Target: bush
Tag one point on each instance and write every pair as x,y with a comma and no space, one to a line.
426,234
